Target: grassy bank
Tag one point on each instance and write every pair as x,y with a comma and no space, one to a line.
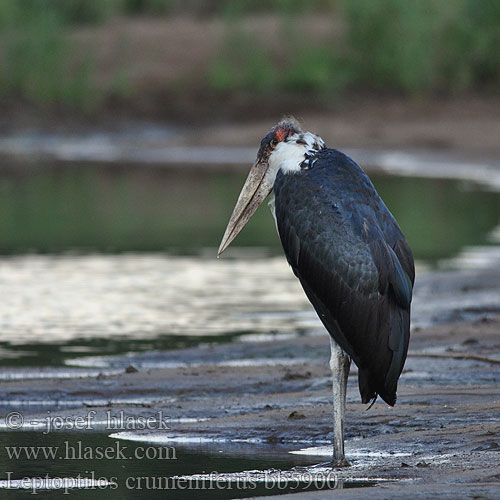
320,48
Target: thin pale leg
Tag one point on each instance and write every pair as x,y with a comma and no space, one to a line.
339,363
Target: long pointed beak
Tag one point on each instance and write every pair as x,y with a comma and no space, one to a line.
253,193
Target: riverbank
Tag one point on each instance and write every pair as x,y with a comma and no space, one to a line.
466,126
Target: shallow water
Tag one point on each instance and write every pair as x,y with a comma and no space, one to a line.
58,308
73,461
69,314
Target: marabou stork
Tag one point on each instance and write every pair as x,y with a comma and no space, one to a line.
348,253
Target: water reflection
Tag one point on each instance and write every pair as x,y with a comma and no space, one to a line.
59,299
145,208
135,467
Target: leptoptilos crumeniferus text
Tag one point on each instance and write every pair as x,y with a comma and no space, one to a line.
348,253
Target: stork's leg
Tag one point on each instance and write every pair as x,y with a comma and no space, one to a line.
339,363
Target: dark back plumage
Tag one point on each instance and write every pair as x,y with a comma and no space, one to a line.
353,262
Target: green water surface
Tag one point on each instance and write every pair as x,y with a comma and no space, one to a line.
47,208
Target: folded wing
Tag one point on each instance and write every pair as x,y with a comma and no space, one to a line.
353,263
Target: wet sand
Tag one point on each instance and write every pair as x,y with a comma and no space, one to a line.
441,439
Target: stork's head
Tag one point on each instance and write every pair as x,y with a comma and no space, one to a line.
284,148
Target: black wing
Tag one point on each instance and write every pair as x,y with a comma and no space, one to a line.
353,263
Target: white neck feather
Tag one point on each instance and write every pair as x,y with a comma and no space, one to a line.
289,154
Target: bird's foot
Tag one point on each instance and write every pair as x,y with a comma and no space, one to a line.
340,462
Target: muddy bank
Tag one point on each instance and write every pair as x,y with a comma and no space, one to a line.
467,126
442,438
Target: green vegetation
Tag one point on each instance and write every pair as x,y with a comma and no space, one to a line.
395,45
36,57
424,46
411,47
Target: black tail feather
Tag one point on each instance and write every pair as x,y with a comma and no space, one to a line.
368,394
